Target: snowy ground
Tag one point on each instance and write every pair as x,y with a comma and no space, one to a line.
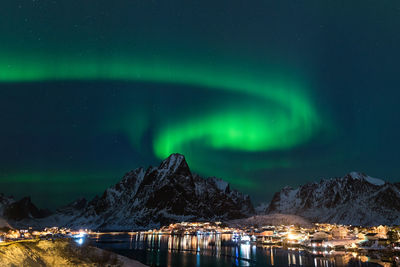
271,219
59,253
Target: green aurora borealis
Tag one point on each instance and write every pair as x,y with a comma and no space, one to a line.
287,119
260,95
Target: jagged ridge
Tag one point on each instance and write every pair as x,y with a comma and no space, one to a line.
355,199
157,196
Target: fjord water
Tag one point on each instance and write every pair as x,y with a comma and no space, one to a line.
211,250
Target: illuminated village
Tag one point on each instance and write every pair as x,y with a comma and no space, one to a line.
319,240
13,235
379,244
321,237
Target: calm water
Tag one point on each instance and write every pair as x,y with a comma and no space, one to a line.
212,250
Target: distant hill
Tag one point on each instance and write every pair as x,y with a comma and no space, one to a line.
15,211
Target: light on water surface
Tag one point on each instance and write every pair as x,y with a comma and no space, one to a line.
212,250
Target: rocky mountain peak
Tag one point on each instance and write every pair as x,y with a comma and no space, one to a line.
371,201
175,164
363,177
158,196
145,199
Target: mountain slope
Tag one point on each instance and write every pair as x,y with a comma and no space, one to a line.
156,196
270,219
355,199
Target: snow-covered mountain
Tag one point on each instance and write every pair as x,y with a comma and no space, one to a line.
355,199
154,197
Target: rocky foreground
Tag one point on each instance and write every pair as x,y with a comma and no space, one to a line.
59,253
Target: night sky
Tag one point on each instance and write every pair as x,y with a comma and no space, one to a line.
262,94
